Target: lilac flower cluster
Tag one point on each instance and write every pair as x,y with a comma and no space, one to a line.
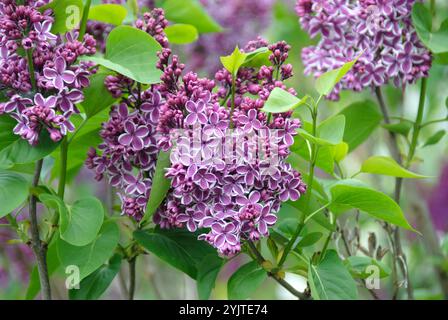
222,173
234,188
380,30
128,154
245,18
48,103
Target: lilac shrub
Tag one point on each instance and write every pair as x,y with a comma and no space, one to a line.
379,32
44,100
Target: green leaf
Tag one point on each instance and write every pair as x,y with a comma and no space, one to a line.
361,119
132,53
358,266
181,33
93,286
330,280
77,153
190,12
79,223
340,151
332,129
233,62
83,222
89,258
15,150
326,82
258,58
388,167
436,41
167,250
13,191
67,14
280,101
245,281
161,185
108,13
402,127
179,248
329,133
349,195
309,239
435,138
208,270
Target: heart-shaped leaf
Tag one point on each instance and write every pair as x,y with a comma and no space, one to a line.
132,53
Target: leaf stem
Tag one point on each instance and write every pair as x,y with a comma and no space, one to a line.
29,56
63,169
314,153
432,122
39,248
85,17
418,122
232,108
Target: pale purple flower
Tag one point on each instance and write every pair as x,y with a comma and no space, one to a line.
133,136
250,121
134,185
196,113
225,235
49,102
266,220
43,31
291,192
192,218
59,74
17,103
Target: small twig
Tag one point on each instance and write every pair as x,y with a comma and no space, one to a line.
39,248
280,281
131,290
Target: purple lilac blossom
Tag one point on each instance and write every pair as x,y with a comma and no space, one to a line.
232,195
380,32
128,154
59,79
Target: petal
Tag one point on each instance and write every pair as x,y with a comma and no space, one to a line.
220,240
129,127
137,143
39,100
142,132
68,76
60,65
125,139
50,73
191,119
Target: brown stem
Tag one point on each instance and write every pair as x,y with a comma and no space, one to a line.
280,281
399,256
131,290
39,247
